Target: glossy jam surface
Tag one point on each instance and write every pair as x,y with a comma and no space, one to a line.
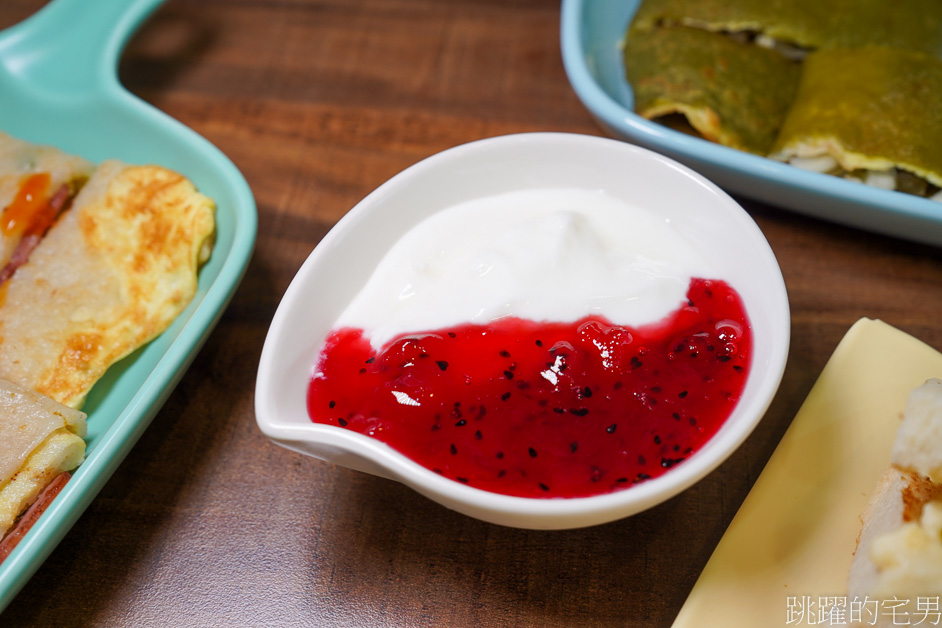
544,409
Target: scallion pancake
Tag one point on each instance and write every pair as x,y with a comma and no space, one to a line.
39,439
731,92
872,109
113,273
810,24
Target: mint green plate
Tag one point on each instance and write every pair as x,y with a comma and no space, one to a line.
59,86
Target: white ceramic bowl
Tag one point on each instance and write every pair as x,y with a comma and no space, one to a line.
343,261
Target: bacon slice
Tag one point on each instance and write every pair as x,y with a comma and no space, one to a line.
38,227
32,514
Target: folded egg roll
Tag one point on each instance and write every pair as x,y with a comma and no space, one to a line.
39,439
730,92
36,184
113,272
868,111
807,24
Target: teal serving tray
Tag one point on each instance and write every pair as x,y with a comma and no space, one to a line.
59,86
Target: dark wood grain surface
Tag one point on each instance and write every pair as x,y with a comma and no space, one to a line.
318,102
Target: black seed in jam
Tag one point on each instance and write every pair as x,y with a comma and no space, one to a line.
342,421
544,487
617,385
502,473
532,452
539,343
693,421
682,394
505,396
362,371
461,423
508,374
478,435
611,428
657,440
453,449
675,416
579,411
676,448
500,455
452,334
573,447
371,359
461,479
559,410
737,368
641,477
586,392
504,353
723,358
622,480
332,404
442,364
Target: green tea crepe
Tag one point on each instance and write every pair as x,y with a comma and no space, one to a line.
868,112
730,92
808,24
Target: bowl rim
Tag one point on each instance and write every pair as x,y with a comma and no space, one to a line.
514,510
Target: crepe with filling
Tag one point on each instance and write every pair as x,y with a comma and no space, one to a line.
111,274
36,184
870,109
39,440
808,24
730,92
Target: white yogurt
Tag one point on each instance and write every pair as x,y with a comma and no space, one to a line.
545,255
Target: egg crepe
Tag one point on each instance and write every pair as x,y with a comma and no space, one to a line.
808,24
729,91
866,113
39,439
36,183
111,274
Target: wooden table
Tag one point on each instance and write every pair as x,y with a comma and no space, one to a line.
318,102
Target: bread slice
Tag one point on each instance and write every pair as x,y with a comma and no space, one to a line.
918,443
899,550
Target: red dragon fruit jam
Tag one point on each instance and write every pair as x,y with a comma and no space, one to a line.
544,409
